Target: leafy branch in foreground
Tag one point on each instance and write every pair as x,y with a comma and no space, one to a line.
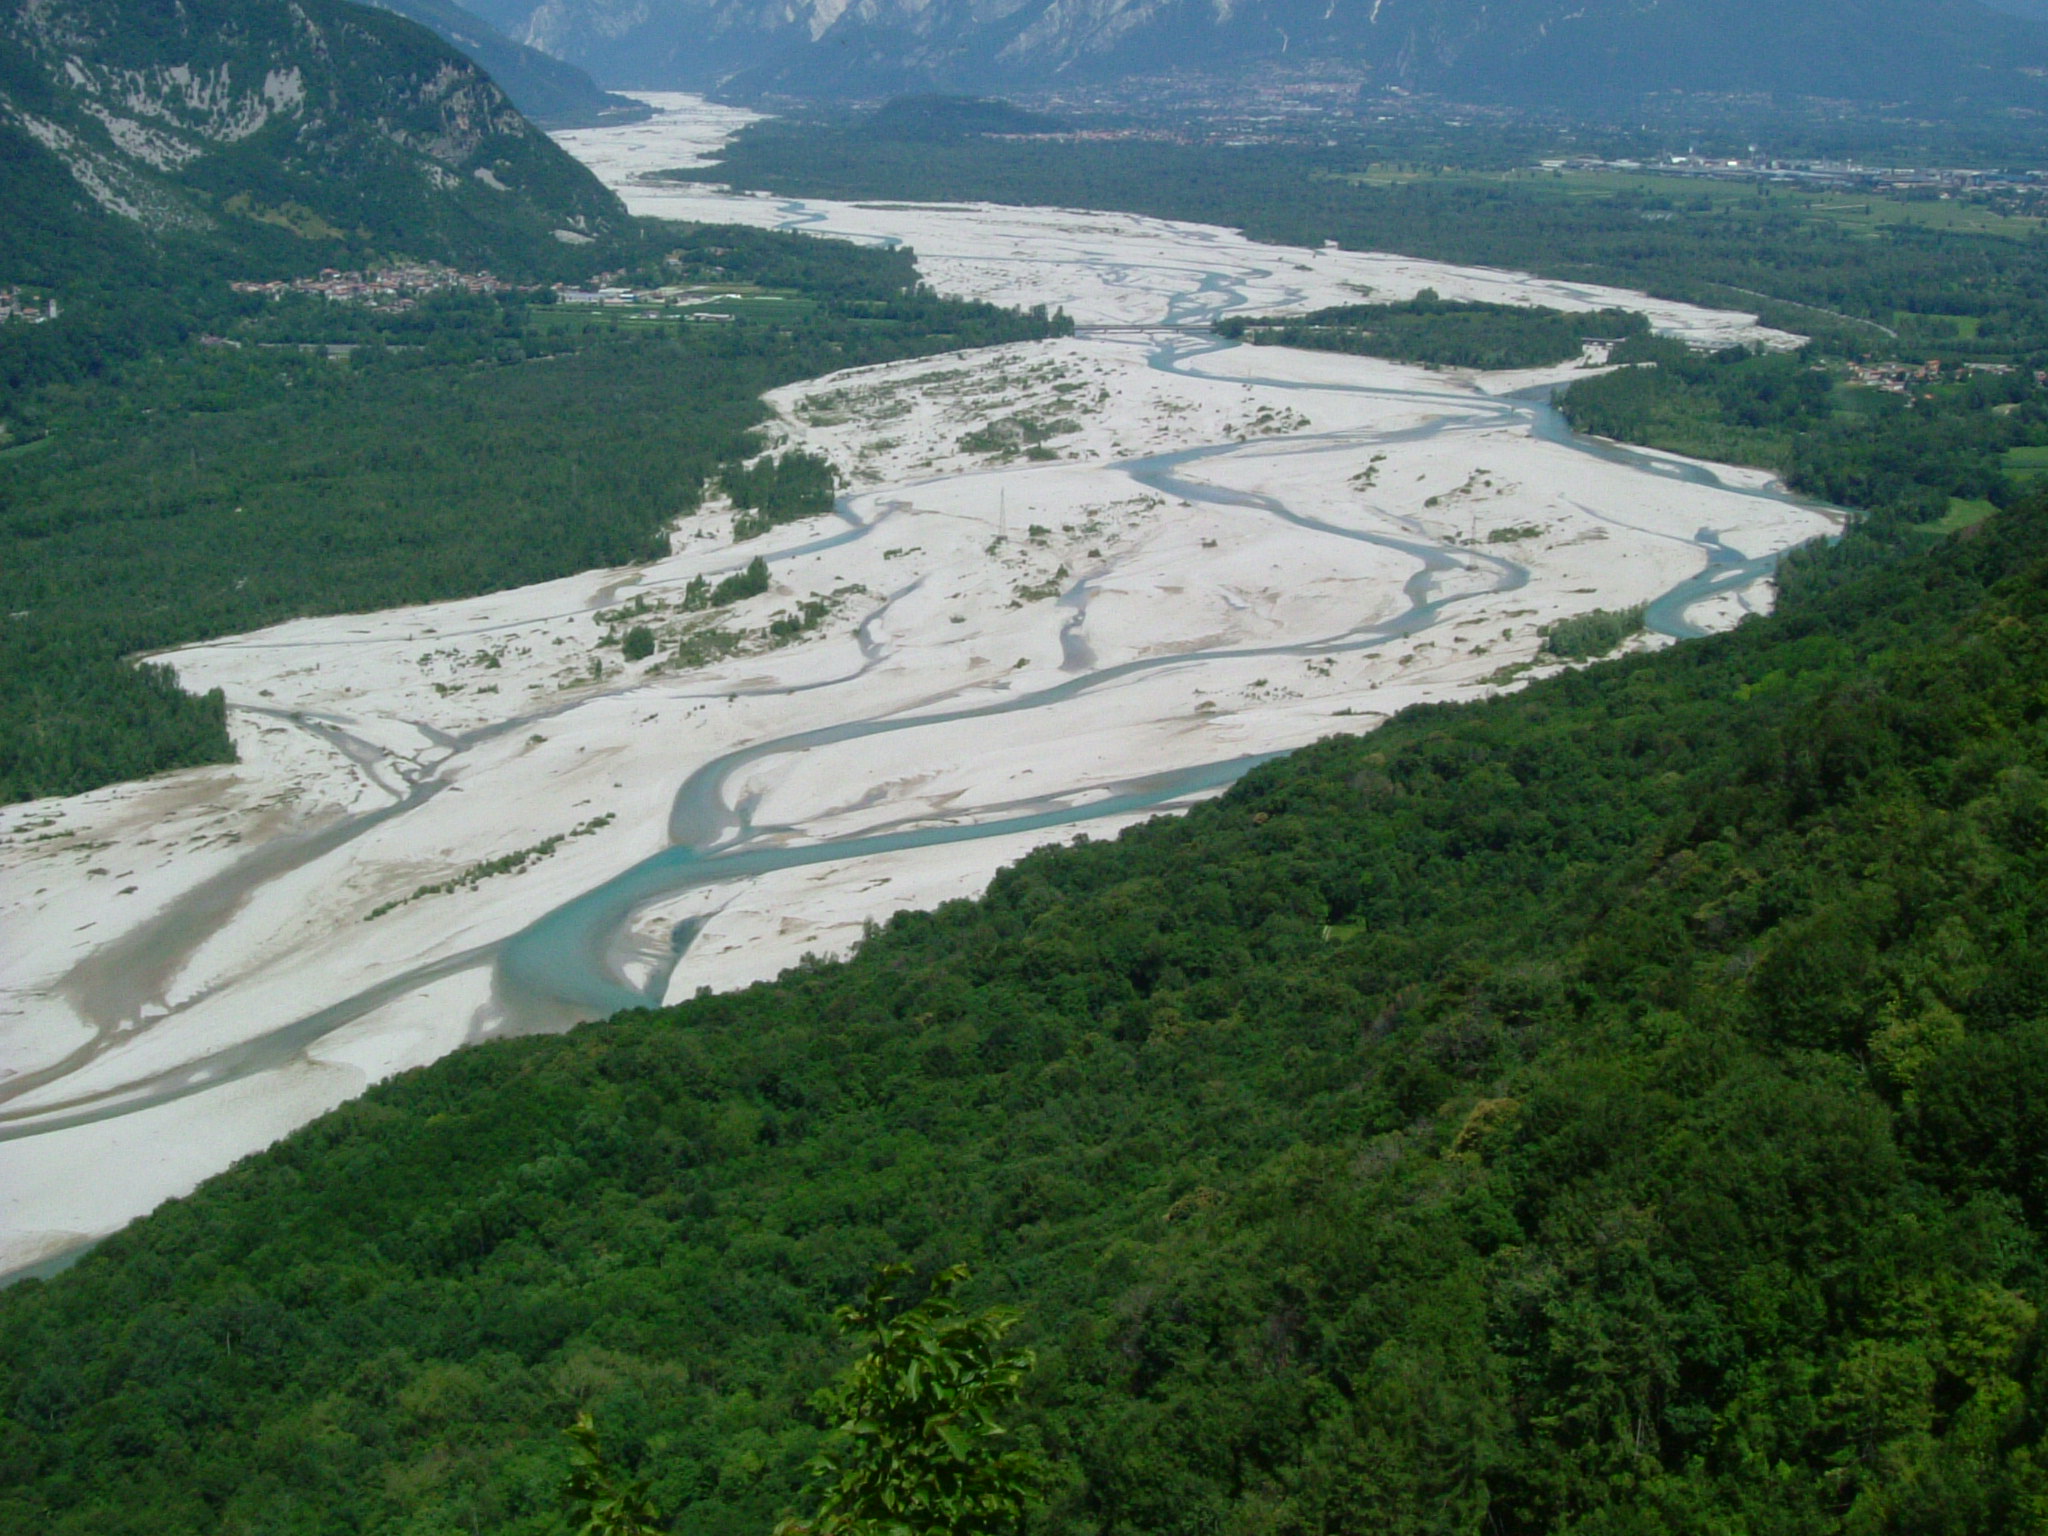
600,1501
920,1450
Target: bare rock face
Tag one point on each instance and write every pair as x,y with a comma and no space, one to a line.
1530,51
334,124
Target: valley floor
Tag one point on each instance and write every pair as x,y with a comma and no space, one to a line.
1071,584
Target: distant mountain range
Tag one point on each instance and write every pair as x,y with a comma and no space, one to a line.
1532,51
552,93
272,132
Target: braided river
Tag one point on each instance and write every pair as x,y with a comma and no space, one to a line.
1068,585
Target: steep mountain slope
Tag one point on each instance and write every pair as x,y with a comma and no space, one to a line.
551,93
1568,51
278,133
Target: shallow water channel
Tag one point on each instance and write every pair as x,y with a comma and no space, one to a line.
580,960
588,957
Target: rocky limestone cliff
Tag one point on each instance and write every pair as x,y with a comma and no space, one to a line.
264,123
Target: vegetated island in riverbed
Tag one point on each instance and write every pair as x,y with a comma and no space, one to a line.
504,864
1614,1105
1443,333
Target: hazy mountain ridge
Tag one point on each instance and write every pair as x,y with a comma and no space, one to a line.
551,93
1547,50
273,126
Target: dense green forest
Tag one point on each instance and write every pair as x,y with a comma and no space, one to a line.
1931,439
1443,333
470,445
1617,1106
1808,264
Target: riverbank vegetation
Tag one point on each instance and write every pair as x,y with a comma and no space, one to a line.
1961,293
320,457
1611,1106
1909,441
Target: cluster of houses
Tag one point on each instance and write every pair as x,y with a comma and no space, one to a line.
398,287
401,287
16,305
1896,378
1899,378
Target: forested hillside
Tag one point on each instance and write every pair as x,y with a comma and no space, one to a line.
1617,1106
